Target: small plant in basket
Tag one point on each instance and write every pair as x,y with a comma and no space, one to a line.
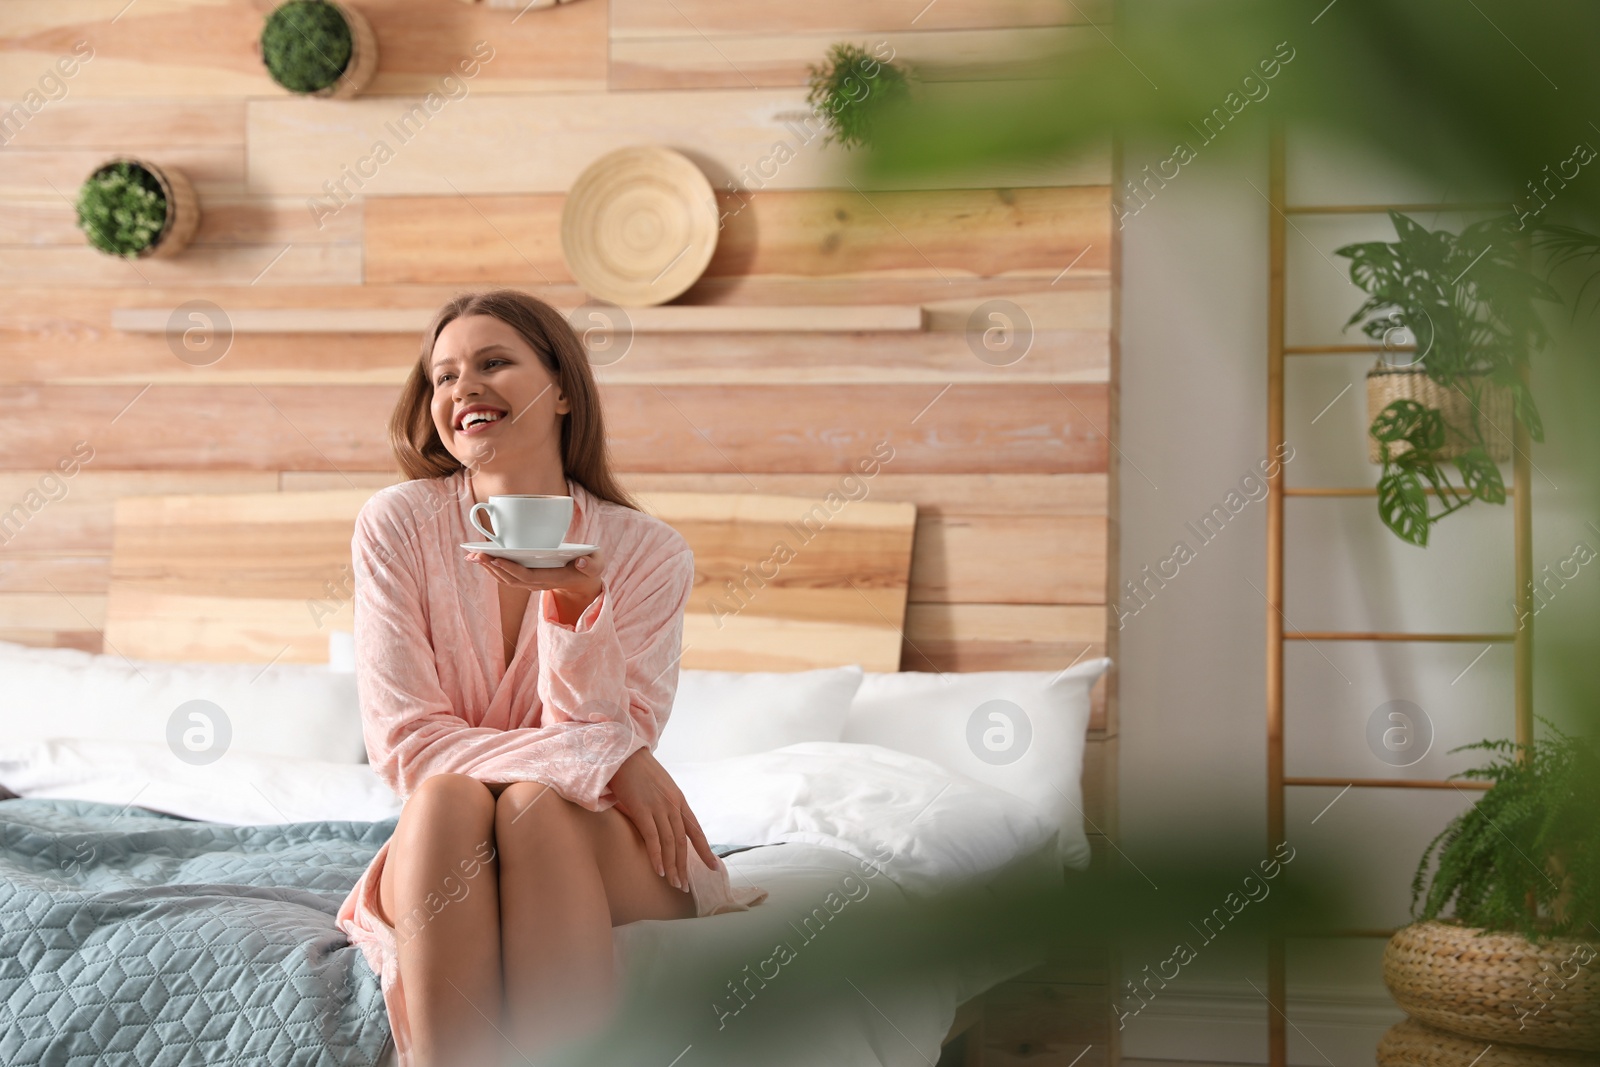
851,89
1519,872
136,208
317,47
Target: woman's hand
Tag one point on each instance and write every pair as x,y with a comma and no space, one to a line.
648,796
575,585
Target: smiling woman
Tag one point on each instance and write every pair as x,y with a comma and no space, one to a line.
529,743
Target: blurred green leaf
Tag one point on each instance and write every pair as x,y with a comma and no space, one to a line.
1404,506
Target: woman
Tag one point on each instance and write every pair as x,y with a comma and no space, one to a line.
512,709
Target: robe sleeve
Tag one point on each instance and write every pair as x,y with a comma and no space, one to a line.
411,727
618,663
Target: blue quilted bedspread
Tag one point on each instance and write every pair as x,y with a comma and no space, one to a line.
145,940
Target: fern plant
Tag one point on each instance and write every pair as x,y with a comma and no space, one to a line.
850,90
1533,837
121,209
306,45
1468,301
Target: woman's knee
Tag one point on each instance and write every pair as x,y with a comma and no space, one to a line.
451,804
443,843
534,812
527,804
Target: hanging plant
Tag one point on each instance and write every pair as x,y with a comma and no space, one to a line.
135,209
319,48
851,90
1468,302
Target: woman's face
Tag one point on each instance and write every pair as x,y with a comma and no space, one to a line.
481,364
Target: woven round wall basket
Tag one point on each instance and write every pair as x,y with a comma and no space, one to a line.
1411,1044
183,208
639,226
1386,384
1497,987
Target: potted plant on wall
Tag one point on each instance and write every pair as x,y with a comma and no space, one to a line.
136,209
1468,302
1516,964
851,90
319,48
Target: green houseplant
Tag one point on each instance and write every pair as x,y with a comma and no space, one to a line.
135,209
1469,303
1520,871
851,89
319,47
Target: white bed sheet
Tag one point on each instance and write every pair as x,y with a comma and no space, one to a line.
677,967
861,837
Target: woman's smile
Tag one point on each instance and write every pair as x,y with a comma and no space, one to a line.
478,418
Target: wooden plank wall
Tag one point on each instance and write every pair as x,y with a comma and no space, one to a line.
1008,465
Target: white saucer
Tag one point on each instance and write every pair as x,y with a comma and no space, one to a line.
532,557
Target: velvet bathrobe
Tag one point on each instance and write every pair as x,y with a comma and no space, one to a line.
575,701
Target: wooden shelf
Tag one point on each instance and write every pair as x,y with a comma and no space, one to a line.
1371,635
1386,783
1342,350
1346,491
830,318
1383,209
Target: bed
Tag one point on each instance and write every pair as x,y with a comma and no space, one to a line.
160,910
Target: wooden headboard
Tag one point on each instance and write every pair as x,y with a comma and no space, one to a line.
258,577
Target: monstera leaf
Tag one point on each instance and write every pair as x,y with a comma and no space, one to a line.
1406,420
1481,476
1403,506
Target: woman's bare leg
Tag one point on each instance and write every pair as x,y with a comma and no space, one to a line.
567,875
439,891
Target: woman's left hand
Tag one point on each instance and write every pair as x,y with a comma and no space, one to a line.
575,585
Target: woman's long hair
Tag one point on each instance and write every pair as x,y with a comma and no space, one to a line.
584,459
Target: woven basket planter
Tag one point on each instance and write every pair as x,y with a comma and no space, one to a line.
1385,385
363,56
1497,987
183,208
363,62
1411,1044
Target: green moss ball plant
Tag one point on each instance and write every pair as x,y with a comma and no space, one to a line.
122,208
306,45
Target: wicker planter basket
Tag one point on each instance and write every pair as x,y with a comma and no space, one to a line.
1497,987
1386,384
363,56
363,62
1411,1044
183,208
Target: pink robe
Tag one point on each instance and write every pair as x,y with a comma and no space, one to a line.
437,696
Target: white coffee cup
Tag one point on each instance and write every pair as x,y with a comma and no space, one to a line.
526,520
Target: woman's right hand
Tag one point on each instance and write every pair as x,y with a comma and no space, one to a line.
649,797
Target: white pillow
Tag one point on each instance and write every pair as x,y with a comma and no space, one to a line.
342,651
908,817
199,710
242,788
716,714
1020,731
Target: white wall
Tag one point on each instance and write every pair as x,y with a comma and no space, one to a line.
1193,417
